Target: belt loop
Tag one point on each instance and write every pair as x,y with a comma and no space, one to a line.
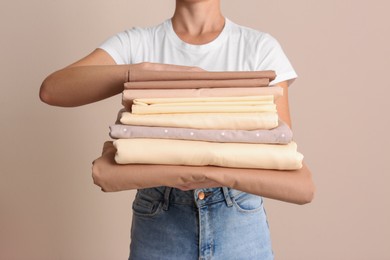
167,194
228,199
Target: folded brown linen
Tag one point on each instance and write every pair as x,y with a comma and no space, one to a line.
183,84
129,95
148,75
281,134
139,176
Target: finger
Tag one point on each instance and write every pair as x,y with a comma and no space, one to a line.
107,144
197,69
172,67
108,147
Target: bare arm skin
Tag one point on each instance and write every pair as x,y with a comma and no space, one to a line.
282,104
91,79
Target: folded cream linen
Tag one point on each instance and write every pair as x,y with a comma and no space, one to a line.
229,121
145,75
198,153
204,105
205,100
281,134
140,176
201,83
129,95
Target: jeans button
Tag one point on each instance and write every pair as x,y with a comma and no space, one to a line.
201,195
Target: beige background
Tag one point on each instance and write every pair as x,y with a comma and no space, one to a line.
49,207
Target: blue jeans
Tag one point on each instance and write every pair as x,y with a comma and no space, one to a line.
214,223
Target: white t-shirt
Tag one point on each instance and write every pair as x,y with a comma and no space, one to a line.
237,48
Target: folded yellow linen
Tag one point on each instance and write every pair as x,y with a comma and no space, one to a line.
129,95
205,100
144,110
204,105
199,153
229,121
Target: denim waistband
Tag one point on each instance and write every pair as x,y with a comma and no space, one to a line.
209,196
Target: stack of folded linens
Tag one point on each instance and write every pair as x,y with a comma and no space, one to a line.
224,119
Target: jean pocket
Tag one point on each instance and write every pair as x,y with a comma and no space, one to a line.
247,203
146,205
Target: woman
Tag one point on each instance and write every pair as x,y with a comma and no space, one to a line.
199,219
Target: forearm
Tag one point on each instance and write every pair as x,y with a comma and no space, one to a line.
80,85
290,186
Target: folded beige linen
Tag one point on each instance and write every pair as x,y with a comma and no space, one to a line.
229,121
204,105
185,84
140,176
145,75
199,153
129,95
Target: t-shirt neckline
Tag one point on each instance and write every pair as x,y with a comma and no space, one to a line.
197,47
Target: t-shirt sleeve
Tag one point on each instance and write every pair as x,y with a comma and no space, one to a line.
118,47
272,57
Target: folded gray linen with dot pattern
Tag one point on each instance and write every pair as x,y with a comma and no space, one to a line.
281,134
